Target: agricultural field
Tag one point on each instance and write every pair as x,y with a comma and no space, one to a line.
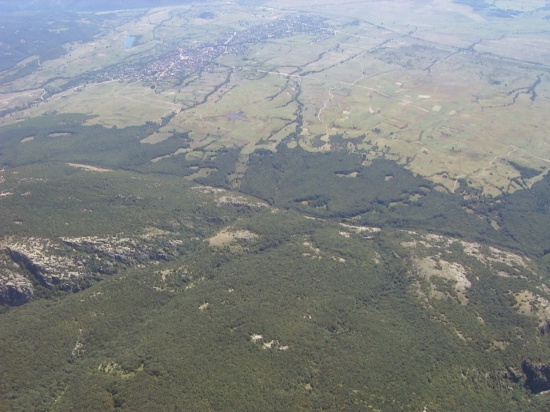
448,92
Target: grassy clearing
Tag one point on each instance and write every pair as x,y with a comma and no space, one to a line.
112,104
264,103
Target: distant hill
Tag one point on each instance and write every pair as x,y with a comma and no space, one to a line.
84,5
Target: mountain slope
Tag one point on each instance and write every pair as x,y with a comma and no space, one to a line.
267,309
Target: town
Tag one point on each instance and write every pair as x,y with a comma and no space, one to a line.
180,60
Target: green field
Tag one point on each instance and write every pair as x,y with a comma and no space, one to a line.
449,107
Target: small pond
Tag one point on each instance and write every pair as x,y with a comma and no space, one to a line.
237,116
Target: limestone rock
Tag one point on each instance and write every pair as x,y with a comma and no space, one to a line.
15,289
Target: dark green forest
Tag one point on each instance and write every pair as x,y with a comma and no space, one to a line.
20,41
341,323
382,194
386,194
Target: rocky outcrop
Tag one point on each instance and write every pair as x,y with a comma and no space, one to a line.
502,263
15,289
544,328
125,250
225,198
129,250
47,261
70,263
537,376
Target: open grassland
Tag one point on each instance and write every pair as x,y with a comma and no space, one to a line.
113,104
17,99
265,105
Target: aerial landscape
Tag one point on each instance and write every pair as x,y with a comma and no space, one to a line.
275,205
